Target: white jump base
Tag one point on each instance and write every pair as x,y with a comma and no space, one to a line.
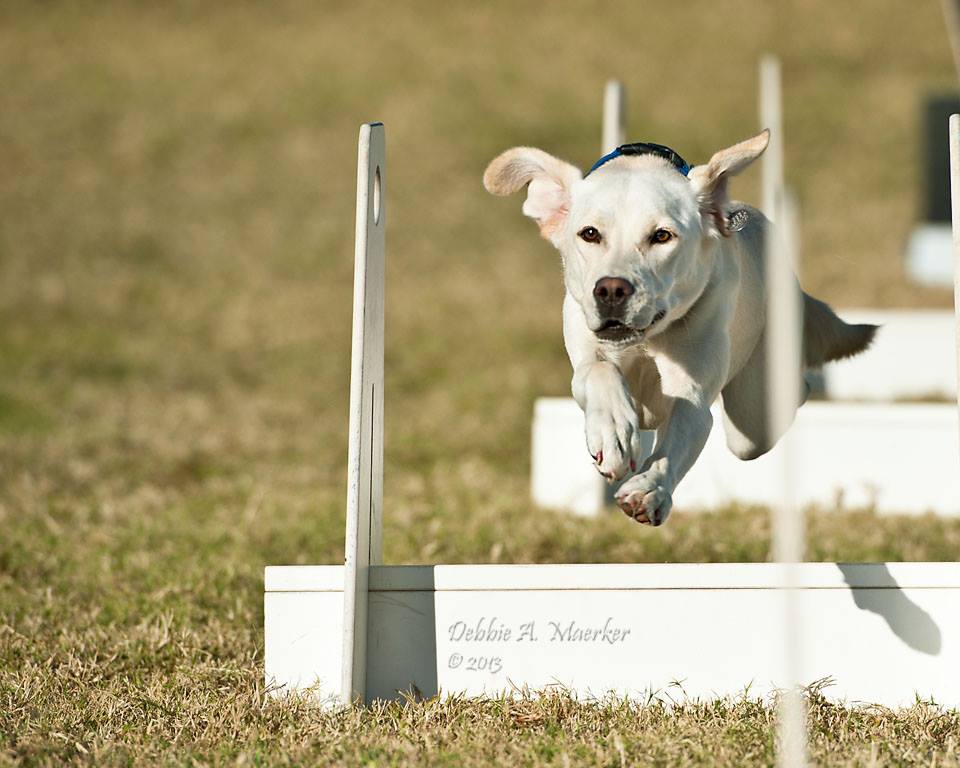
882,632
912,357
894,458
929,255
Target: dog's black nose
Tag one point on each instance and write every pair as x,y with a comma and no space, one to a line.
612,291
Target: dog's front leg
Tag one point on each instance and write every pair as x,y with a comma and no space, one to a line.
610,417
689,388
599,387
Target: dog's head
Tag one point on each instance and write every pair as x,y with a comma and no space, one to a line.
636,234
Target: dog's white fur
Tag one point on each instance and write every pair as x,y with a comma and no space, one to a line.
705,281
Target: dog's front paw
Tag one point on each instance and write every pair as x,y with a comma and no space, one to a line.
645,498
613,436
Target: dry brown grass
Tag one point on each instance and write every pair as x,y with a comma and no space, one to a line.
175,284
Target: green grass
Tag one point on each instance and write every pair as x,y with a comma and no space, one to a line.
175,286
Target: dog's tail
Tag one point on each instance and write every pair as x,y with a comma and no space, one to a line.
826,337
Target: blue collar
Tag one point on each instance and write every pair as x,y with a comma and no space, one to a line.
644,148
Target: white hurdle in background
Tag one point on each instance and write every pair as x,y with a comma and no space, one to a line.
884,632
771,116
894,459
910,358
614,130
955,216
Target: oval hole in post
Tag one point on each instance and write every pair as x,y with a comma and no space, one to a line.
376,196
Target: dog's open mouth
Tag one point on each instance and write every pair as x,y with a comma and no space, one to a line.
614,330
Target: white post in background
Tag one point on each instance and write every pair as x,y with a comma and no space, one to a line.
365,458
771,116
955,209
784,378
614,116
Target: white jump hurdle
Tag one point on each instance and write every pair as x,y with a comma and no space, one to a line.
911,358
927,254
771,116
883,632
614,131
894,459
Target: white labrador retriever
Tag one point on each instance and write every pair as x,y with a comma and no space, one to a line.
664,306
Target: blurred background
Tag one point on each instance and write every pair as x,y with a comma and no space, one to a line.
176,245
177,188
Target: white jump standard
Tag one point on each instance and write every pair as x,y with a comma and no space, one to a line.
361,631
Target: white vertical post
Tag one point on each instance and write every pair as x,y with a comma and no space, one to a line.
771,116
614,116
955,209
784,375
365,459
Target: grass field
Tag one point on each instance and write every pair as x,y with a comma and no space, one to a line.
175,282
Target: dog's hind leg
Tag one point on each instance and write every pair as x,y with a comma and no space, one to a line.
745,419
825,337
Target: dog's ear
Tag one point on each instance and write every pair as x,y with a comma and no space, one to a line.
711,180
549,182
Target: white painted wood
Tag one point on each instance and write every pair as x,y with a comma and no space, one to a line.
561,475
783,376
303,640
955,212
894,458
598,577
912,357
884,632
614,116
771,116
365,458
929,255
299,578
897,458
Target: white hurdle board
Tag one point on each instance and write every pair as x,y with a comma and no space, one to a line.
928,255
884,633
894,458
912,357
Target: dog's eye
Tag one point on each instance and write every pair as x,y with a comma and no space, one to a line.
589,234
661,236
